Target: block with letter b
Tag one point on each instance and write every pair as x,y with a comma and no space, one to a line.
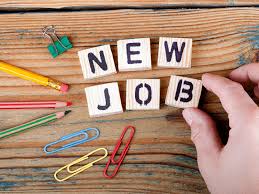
174,52
97,62
103,99
183,92
134,54
143,94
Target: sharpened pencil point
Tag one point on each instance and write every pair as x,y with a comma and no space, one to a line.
68,111
69,103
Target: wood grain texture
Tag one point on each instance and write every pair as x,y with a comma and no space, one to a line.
95,4
162,158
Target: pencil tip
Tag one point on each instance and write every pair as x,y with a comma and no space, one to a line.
67,111
69,103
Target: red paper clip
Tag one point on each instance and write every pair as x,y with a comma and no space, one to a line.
123,154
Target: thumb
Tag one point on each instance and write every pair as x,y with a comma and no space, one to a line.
206,139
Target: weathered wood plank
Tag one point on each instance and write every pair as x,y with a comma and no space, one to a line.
225,42
108,4
162,158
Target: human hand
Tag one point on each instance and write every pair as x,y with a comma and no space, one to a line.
233,168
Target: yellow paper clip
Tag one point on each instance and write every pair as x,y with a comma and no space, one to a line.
81,169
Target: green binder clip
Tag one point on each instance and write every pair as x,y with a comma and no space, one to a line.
60,45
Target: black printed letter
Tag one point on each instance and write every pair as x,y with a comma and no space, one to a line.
178,54
92,58
149,98
129,52
107,100
186,91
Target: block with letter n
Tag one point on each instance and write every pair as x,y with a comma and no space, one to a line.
183,92
97,62
174,52
103,99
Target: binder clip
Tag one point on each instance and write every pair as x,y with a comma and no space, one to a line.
58,45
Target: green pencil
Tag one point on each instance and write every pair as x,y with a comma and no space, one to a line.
34,123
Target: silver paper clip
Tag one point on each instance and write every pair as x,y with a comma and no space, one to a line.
74,143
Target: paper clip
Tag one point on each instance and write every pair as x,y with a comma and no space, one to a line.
60,45
81,169
123,154
72,144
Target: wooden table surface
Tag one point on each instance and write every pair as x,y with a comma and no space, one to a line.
162,158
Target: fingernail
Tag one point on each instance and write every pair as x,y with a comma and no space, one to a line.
205,78
187,115
205,75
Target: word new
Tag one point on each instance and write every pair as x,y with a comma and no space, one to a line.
141,94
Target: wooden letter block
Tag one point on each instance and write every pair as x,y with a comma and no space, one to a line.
174,52
183,92
143,94
103,99
134,54
97,62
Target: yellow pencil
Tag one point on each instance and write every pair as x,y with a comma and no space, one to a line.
27,75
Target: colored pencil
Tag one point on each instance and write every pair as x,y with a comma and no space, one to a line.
27,75
31,105
33,124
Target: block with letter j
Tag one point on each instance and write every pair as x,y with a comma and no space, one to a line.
183,92
103,100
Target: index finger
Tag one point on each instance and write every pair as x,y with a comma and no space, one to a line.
246,73
232,95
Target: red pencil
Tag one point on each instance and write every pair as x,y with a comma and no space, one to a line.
30,105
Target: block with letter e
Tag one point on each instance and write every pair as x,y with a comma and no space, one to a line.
103,99
174,52
183,92
143,94
134,54
97,62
